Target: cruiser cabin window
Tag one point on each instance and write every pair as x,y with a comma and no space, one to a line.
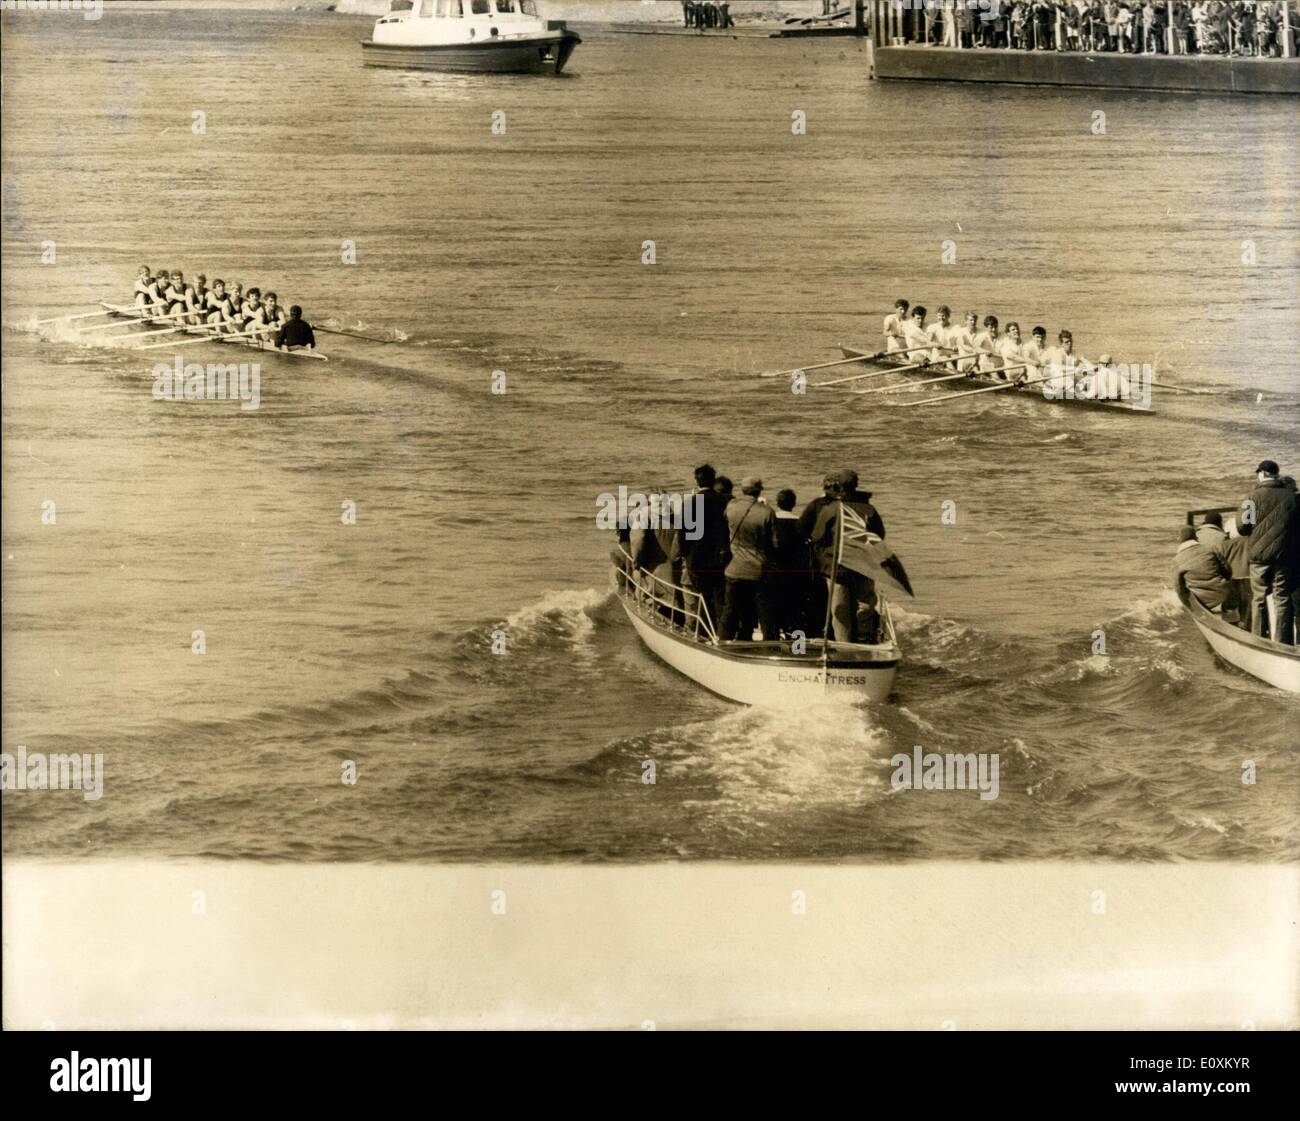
481,7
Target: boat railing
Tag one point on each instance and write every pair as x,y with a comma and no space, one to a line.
683,608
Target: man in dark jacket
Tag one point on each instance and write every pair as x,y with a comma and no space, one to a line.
851,593
792,570
706,558
1203,571
1270,518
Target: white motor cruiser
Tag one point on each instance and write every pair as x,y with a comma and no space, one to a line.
487,36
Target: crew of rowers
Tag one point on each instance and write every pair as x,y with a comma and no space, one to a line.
985,349
231,310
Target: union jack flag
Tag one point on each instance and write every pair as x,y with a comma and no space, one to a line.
857,548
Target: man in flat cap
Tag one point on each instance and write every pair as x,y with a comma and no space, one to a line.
753,545
1271,519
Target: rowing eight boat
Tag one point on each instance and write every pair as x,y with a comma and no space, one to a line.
119,312
980,380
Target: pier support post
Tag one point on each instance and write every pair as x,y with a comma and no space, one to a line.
1286,29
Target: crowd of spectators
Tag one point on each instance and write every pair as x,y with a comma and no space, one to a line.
1207,27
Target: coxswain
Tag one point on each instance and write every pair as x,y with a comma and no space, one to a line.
295,332
894,323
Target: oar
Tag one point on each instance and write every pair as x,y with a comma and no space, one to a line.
131,321
890,370
207,338
70,318
910,384
838,362
968,393
354,335
151,334
1184,389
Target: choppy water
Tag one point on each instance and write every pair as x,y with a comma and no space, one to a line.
521,253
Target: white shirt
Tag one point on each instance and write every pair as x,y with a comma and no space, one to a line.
893,332
914,335
1010,352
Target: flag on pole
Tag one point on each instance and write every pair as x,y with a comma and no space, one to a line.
864,552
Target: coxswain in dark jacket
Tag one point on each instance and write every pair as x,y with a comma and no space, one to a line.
296,331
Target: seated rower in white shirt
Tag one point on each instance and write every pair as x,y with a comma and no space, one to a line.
1060,367
1035,353
894,324
986,343
1009,349
963,342
940,333
915,337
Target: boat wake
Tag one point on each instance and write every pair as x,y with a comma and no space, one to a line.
566,618
752,760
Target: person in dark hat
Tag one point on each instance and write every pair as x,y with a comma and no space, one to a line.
1271,519
852,595
705,559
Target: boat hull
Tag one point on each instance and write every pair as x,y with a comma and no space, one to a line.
1276,665
768,680
146,325
976,381
490,56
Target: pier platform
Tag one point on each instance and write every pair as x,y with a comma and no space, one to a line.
1200,73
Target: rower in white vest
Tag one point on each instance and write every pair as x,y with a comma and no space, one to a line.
940,332
1035,353
986,344
963,341
895,322
915,337
1061,368
1009,349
